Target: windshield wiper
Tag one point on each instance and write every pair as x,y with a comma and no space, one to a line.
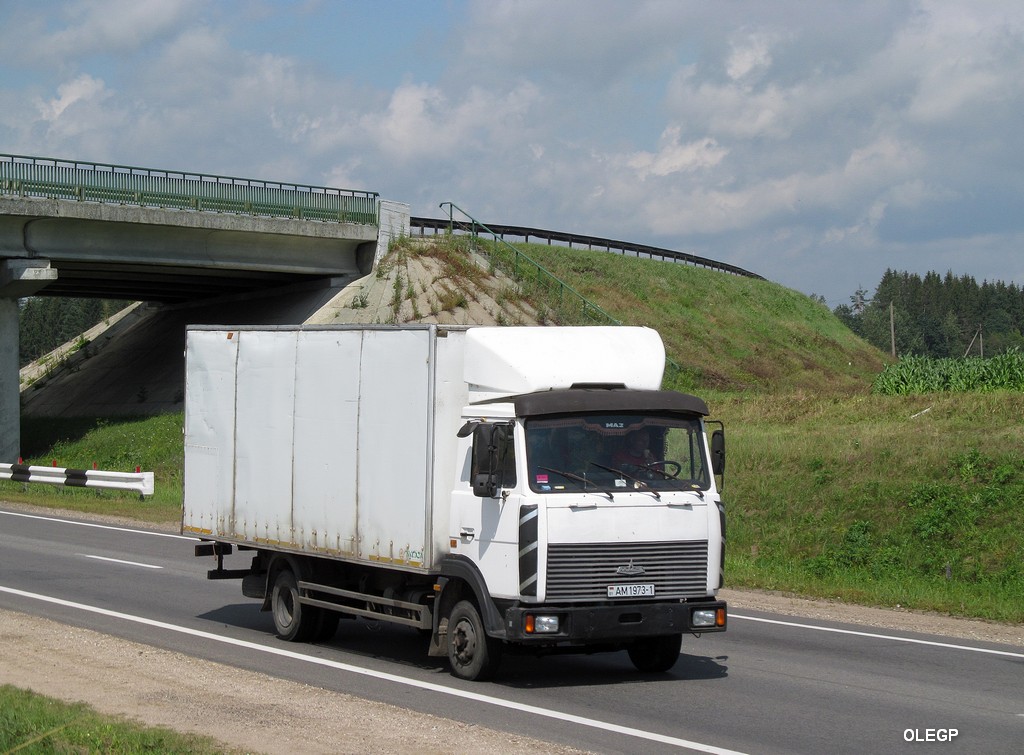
578,478
640,483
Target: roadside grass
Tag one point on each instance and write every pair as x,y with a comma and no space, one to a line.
32,723
113,444
915,502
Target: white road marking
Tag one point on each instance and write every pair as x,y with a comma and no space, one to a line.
486,699
872,635
99,526
119,561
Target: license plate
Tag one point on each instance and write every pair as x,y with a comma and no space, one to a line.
630,591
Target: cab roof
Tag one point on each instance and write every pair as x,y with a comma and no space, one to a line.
575,400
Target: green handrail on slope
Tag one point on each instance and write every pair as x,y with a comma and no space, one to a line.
571,304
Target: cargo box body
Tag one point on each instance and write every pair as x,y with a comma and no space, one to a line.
324,441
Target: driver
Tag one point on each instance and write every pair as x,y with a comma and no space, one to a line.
636,453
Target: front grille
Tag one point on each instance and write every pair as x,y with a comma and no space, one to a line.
583,572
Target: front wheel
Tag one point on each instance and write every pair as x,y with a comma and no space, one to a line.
471,653
656,653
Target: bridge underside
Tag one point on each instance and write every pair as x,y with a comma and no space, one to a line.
52,247
140,253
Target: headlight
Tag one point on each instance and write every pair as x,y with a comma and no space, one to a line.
703,617
541,624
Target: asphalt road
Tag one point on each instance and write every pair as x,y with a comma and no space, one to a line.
770,684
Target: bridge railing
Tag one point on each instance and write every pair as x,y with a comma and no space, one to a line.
147,187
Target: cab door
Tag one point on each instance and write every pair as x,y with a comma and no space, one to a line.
486,503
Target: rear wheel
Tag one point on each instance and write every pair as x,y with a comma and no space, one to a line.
656,653
471,653
292,620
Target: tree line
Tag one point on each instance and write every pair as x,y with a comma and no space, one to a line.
937,316
46,322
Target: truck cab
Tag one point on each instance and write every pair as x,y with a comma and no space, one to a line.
590,518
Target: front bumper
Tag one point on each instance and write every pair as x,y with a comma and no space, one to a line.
610,623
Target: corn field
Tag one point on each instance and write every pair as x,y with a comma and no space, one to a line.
918,374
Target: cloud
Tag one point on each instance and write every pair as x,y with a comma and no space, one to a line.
421,121
57,36
83,89
674,157
750,55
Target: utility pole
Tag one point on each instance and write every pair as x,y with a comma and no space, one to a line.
977,334
892,331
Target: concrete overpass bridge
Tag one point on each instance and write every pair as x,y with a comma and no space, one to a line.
184,240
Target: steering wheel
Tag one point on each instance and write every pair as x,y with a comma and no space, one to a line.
663,464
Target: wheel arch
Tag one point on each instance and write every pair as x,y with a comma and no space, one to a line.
463,580
278,561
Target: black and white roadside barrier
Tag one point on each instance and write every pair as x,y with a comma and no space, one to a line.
140,482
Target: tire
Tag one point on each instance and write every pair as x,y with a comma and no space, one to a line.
656,654
472,655
293,621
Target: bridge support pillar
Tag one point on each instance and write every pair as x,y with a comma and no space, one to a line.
18,278
10,396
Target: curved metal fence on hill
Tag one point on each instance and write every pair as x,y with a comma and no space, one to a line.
590,242
147,187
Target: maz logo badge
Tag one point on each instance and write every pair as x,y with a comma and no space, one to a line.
632,570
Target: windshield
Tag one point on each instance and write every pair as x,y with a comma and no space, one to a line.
615,453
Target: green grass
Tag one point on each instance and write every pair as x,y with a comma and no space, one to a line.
917,502
112,444
727,333
31,723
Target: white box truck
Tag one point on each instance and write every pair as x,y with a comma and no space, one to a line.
504,489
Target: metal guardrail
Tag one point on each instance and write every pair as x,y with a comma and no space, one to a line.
592,242
568,304
147,187
140,482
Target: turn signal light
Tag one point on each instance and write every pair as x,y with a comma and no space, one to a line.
708,617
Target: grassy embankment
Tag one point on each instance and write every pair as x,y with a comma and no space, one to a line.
915,501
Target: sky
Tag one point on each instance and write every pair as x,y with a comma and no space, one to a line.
815,143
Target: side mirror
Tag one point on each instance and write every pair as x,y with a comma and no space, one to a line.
718,452
490,446
485,486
